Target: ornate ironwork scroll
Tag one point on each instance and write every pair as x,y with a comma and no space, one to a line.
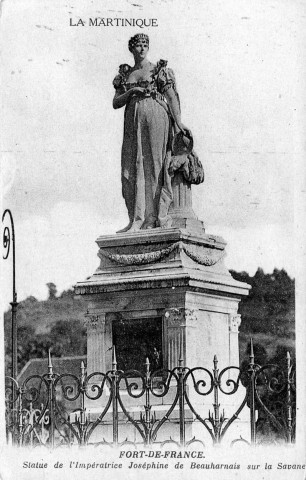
67,409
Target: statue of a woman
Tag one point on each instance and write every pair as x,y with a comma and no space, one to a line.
152,115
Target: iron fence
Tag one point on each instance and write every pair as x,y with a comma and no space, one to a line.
180,406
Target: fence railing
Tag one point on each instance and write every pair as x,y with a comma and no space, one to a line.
180,406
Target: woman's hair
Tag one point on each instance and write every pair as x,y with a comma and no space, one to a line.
135,39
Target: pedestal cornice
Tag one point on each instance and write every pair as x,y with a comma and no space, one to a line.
157,235
223,286
161,259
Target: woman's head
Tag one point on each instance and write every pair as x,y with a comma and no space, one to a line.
139,43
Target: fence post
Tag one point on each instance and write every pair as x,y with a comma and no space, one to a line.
181,387
20,416
31,423
216,403
6,244
114,379
147,406
288,398
251,388
50,379
82,412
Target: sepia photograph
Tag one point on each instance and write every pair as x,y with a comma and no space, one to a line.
153,247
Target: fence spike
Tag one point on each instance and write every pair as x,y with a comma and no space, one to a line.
147,365
114,359
215,361
82,368
288,362
50,366
251,351
181,358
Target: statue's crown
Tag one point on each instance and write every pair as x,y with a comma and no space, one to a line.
139,36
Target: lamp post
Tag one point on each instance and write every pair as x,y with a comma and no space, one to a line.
8,239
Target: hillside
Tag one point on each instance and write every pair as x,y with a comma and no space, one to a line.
268,313
58,322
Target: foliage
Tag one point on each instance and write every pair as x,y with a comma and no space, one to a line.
52,290
66,338
58,322
268,313
270,305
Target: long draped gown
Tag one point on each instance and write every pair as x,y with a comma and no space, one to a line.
146,151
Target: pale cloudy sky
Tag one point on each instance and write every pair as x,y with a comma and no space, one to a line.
241,78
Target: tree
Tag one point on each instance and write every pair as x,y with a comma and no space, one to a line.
280,356
68,337
52,290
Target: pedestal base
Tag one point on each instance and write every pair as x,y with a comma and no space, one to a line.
169,432
175,277
166,296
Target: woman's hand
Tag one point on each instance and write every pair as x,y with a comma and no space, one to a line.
138,90
121,99
185,130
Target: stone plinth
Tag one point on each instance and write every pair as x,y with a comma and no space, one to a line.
181,210
175,276
172,284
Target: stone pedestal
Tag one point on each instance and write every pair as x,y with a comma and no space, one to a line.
173,284
172,276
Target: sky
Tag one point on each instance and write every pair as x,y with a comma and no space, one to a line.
241,79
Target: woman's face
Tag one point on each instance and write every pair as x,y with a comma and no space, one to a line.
141,49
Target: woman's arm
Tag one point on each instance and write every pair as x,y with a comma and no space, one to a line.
175,111
121,99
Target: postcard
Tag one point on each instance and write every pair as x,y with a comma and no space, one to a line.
153,218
